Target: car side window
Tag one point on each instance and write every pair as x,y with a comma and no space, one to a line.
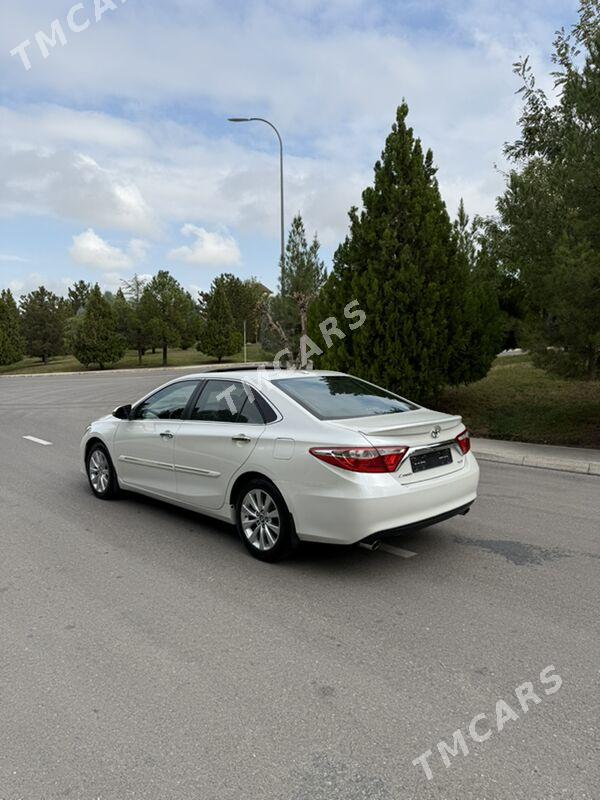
168,403
226,401
250,413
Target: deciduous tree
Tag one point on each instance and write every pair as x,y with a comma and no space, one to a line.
549,212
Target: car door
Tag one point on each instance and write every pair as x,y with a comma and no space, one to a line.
144,443
222,430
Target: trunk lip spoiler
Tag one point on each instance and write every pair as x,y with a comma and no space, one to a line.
447,422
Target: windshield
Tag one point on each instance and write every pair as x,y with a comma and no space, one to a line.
342,397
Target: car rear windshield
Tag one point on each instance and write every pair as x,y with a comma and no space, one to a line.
342,397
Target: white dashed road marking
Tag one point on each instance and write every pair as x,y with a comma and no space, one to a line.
397,551
37,441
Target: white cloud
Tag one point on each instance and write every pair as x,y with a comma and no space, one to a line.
330,73
138,249
92,250
70,185
209,249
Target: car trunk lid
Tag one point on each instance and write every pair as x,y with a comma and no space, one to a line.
429,435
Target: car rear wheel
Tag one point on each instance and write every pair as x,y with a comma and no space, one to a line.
101,473
264,522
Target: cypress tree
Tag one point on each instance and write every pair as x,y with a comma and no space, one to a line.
11,341
400,262
96,340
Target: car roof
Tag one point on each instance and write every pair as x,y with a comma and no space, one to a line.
259,375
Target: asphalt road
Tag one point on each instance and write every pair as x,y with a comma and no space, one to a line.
144,654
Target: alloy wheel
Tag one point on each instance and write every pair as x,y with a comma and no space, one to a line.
260,519
99,471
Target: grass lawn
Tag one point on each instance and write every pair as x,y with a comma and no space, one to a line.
519,402
177,358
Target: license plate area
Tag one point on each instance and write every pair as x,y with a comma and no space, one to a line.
430,459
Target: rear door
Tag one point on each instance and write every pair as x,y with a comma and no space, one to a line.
219,436
144,443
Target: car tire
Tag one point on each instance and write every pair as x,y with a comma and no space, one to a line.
101,472
264,522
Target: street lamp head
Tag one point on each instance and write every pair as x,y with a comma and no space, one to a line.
239,119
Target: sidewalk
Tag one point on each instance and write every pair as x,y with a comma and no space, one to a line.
566,459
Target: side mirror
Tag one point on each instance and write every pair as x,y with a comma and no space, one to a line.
122,412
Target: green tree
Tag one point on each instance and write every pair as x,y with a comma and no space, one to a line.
77,296
245,298
473,317
401,263
509,284
43,316
549,212
191,328
218,334
124,317
133,291
96,340
256,294
301,278
11,340
163,312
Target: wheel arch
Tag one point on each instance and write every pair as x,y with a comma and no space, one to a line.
243,479
95,440
251,474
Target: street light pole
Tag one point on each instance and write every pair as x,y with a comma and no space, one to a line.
270,124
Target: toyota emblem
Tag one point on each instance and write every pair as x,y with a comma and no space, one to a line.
436,432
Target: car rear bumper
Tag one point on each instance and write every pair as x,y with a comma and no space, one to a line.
350,516
424,523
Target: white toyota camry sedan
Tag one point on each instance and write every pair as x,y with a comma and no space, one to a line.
287,455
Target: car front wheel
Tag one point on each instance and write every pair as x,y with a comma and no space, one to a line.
264,522
101,473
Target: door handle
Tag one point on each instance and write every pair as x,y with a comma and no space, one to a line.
241,438
166,435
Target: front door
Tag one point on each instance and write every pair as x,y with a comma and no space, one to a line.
144,444
214,442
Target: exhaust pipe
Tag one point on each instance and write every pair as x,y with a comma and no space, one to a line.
371,545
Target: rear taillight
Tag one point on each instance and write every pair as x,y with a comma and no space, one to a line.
361,459
464,442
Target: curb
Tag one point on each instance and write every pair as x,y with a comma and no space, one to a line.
133,370
541,462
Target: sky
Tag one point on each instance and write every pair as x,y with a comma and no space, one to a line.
116,155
